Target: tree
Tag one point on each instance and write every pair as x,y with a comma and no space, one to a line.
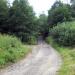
73,1
57,4
3,15
22,17
58,13
73,8
42,25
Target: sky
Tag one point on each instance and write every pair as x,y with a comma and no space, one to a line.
42,6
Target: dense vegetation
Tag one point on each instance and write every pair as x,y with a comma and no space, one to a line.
42,25
68,56
59,13
61,20
19,20
11,50
64,33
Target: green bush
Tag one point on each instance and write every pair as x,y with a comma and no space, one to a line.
32,40
64,33
11,50
49,40
67,55
28,38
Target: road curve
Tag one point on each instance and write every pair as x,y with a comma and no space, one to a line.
43,60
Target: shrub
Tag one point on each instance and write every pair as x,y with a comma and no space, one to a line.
32,40
49,40
28,38
64,33
68,56
11,50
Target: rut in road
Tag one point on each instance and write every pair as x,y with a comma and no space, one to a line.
43,60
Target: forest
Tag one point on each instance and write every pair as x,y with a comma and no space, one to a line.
20,27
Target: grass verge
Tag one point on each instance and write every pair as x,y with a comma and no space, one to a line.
68,56
11,50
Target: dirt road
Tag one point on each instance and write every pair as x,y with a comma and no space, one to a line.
43,60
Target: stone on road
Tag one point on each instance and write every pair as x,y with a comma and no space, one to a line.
43,60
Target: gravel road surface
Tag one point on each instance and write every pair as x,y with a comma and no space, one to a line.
43,60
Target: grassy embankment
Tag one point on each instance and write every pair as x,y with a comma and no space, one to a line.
11,50
68,57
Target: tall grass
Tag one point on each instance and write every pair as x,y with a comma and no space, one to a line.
68,57
11,50
64,33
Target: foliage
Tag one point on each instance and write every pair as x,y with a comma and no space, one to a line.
57,4
18,19
49,40
68,56
64,33
59,13
72,1
11,50
32,40
42,25
73,8
3,15
22,19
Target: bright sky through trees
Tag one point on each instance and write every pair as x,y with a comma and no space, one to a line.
42,6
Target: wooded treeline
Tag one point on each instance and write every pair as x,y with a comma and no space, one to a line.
61,19
61,12
19,18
